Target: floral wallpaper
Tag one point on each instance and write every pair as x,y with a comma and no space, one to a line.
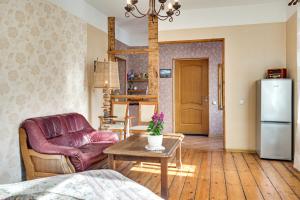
211,50
42,71
168,52
138,63
122,62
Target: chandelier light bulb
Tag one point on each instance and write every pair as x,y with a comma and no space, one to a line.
128,1
176,1
170,6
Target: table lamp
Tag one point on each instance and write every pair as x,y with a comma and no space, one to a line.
106,76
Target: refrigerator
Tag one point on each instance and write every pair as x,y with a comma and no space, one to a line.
275,119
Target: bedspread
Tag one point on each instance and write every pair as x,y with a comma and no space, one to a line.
98,184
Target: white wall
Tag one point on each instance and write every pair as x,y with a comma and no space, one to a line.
249,51
228,16
92,16
199,18
297,110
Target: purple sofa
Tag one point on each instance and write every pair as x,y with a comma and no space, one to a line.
68,135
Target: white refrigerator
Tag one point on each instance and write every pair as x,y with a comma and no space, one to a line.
275,119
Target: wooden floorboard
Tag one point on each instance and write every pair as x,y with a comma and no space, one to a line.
289,166
249,185
179,180
266,187
233,182
281,186
189,188
219,175
217,186
204,180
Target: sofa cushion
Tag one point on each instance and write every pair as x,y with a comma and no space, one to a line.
90,154
75,123
76,139
51,126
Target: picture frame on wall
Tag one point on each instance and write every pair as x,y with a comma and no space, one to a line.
165,73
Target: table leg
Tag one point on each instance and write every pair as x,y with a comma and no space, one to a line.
125,133
178,157
139,163
164,178
111,162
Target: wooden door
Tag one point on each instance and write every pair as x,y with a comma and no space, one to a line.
191,96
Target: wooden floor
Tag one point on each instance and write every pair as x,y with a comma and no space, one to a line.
203,143
220,175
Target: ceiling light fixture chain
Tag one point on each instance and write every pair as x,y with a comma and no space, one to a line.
173,9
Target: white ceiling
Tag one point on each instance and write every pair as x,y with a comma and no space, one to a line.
207,12
116,7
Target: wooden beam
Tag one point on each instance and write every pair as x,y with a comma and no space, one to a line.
135,97
153,55
129,51
111,37
192,41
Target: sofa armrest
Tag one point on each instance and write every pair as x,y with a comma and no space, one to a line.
39,165
39,143
49,148
104,137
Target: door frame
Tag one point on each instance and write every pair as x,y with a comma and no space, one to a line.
224,77
174,89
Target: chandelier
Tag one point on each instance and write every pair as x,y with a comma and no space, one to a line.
173,9
293,2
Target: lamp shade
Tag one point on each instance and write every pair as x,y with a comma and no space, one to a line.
106,74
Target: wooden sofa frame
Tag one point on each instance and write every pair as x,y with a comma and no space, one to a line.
38,165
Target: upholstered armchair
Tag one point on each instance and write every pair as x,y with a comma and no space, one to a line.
62,144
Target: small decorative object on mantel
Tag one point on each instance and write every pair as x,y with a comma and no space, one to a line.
155,137
130,75
280,72
145,76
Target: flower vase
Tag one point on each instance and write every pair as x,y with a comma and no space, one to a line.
155,141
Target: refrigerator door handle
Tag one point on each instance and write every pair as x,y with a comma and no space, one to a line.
271,122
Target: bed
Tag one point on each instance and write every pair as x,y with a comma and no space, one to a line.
98,184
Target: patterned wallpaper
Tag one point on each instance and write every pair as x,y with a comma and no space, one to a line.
122,66
139,63
211,50
168,52
42,70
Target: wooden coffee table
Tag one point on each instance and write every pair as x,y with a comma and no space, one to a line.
133,149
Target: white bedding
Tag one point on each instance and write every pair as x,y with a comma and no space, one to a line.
99,184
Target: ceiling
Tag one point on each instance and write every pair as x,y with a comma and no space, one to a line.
134,26
116,7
